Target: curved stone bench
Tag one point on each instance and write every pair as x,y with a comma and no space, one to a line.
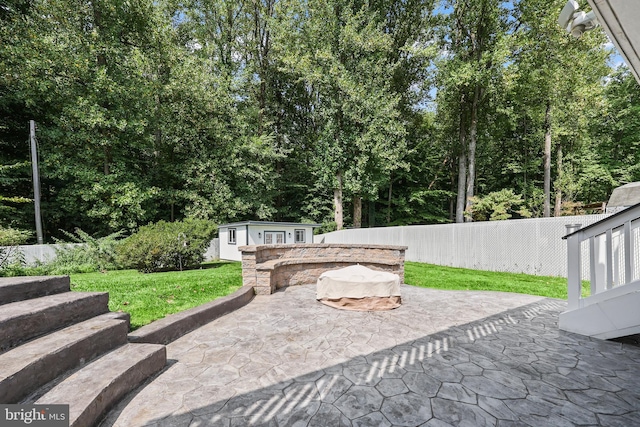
270,267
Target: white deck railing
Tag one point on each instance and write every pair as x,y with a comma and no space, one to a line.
613,249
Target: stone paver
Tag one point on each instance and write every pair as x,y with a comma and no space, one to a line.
445,358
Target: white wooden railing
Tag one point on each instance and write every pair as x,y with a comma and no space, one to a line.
613,248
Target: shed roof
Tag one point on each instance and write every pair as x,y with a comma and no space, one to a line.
282,224
626,195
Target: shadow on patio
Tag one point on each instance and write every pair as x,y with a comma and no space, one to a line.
311,365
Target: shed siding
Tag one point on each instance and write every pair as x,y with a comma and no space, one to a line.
230,252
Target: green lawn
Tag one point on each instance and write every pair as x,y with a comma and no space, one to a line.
148,297
435,276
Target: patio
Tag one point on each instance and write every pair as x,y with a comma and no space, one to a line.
442,358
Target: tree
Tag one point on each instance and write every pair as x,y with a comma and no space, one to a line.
559,82
474,39
341,53
618,133
498,205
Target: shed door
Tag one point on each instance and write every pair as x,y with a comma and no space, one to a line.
273,237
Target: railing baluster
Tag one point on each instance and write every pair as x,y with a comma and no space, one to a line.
593,275
609,245
628,251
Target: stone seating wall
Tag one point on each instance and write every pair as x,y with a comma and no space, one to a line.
270,267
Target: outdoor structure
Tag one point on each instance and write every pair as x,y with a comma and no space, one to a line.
268,268
245,233
623,197
609,246
611,249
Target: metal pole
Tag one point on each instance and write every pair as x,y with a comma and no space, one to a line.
36,180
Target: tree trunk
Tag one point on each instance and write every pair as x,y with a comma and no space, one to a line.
372,213
357,211
471,154
547,161
337,202
557,211
462,176
462,166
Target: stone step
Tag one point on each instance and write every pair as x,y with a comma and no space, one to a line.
23,320
23,288
32,365
98,386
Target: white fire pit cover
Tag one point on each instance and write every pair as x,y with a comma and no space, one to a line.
359,288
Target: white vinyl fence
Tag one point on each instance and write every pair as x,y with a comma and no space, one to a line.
36,253
531,246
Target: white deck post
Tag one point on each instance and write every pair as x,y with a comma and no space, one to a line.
628,253
574,281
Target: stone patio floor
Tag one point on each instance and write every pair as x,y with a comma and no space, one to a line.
444,358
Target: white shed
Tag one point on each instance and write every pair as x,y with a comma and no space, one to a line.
261,233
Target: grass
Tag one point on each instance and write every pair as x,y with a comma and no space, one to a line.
439,277
148,297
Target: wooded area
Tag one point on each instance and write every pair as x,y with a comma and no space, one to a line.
342,112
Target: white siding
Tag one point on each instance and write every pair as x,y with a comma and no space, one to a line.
230,252
289,236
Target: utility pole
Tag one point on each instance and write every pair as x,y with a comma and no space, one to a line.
36,180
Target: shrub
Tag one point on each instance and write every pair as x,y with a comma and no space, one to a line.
85,254
326,227
81,254
497,206
167,245
13,237
10,256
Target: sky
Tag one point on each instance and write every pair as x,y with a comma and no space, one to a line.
616,59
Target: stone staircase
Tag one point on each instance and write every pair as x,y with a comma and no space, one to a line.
62,347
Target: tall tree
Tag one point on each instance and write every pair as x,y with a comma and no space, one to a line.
474,36
341,53
561,82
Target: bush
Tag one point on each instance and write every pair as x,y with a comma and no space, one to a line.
167,245
13,237
326,227
85,254
10,256
497,206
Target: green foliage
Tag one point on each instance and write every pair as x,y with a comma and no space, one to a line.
499,205
12,176
167,245
13,237
227,110
10,256
83,253
326,227
618,129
